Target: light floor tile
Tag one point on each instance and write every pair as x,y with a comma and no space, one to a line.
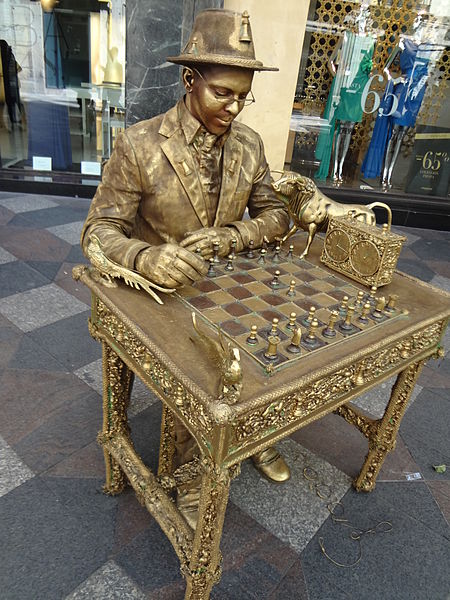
375,400
13,472
40,306
291,511
69,232
6,257
109,582
440,282
141,396
26,203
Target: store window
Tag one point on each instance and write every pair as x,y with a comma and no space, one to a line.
372,105
62,93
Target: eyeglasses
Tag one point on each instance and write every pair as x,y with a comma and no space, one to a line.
226,97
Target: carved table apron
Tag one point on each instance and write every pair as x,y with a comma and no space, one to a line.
141,337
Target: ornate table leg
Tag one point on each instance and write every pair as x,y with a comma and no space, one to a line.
382,434
166,445
205,565
117,384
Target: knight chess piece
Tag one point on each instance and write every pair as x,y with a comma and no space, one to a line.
294,346
377,314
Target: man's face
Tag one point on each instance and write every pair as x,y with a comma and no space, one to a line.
218,94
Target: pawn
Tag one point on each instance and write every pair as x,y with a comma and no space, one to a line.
274,330
360,300
272,353
211,270
275,283
329,330
262,257
343,306
364,314
233,247
229,265
346,325
311,338
250,252
216,247
292,321
309,319
276,256
294,346
290,254
291,291
252,339
372,294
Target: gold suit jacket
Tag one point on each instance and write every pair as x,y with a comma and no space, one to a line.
151,193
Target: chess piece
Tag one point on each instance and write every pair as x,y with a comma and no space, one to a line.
377,314
311,338
275,283
329,330
274,330
216,246
229,265
276,256
291,290
390,306
364,313
343,306
252,339
292,321
262,257
290,254
372,294
294,346
309,319
250,252
360,300
211,270
346,324
233,247
272,353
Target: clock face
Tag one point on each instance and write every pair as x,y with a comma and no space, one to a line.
337,245
364,258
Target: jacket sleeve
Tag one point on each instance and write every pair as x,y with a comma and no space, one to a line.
113,209
268,215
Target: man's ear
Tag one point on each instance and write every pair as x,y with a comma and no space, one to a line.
188,79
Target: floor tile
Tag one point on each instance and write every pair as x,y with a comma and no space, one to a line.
441,493
88,463
441,282
49,217
33,244
299,512
76,288
375,400
107,583
6,257
40,306
69,232
30,355
415,268
13,472
16,277
430,249
48,268
27,202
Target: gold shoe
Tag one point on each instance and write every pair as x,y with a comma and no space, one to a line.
272,465
187,504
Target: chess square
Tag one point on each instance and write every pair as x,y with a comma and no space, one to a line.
225,281
233,328
323,286
188,291
251,348
288,308
322,300
235,309
216,315
252,319
304,290
273,299
206,285
255,304
240,292
259,274
201,302
220,297
269,315
291,268
243,278
318,273
257,288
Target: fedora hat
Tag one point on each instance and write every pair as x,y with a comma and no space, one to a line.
221,37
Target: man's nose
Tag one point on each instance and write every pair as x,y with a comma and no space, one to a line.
233,107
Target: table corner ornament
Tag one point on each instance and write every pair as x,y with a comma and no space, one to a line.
227,358
106,270
362,251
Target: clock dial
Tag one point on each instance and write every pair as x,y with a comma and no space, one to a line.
337,245
364,258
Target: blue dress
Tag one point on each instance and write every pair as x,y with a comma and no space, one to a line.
409,94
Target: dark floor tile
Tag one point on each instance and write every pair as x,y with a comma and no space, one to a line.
253,581
424,430
18,277
76,288
145,432
88,462
292,585
65,431
10,337
48,217
441,493
68,340
132,520
29,355
416,269
434,377
5,215
411,561
440,266
33,244
50,546
398,463
436,249
76,255
47,267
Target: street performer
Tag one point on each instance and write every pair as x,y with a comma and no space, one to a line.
179,182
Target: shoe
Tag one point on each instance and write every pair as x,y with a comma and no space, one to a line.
187,504
272,465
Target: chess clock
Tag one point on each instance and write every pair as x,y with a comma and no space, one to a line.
363,252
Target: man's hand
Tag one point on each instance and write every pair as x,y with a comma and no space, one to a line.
170,266
204,239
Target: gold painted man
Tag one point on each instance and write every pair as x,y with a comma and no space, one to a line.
182,180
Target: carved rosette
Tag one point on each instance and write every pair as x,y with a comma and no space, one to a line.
159,378
331,388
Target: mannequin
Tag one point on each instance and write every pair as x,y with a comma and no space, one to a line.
350,65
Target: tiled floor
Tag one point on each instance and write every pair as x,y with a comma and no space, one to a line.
62,538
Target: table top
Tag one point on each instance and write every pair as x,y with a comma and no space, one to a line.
168,332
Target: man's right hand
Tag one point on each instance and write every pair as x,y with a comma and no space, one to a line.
170,265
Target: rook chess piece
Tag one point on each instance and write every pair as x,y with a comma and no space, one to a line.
291,290
252,339
250,252
294,346
329,330
272,353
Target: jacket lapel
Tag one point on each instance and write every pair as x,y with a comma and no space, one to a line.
232,159
179,156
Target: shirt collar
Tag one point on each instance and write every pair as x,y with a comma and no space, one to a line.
192,128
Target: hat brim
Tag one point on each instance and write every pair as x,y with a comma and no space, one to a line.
218,59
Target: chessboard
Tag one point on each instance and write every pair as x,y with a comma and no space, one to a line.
277,307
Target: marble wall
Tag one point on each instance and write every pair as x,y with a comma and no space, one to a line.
156,29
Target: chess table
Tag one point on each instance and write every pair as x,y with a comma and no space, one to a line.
155,342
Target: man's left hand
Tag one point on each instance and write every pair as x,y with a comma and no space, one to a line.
205,238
